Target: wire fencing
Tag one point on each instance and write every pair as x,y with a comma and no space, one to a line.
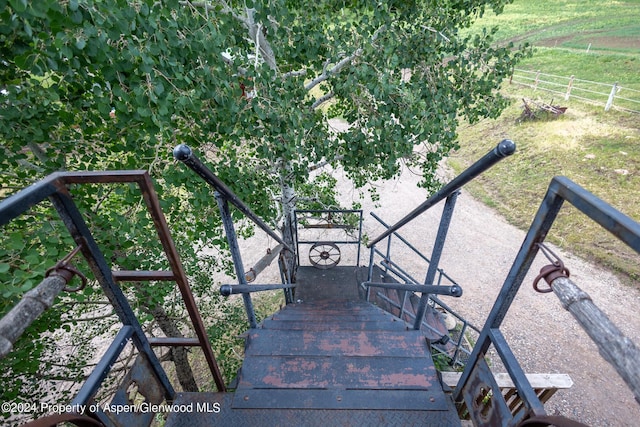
606,94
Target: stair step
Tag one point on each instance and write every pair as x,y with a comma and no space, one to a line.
337,372
217,409
313,317
336,343
332,305
372,400
359,325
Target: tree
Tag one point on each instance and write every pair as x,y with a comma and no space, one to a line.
115,84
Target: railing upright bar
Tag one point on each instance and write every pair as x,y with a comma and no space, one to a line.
388,255
525,391
404,302
295,231
503,149
372,253
359,238
438,246
100,372
402,239
230,231
79,230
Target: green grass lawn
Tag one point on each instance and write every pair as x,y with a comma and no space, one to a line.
598,150
593,40
569,23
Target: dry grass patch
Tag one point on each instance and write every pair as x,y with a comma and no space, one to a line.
599,151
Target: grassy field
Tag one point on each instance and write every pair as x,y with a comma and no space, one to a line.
598,150
593,40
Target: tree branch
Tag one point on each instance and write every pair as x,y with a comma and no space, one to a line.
324,98
334,70
294,74
325,163
433,30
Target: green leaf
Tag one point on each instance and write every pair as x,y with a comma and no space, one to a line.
143,112
81,43
18,5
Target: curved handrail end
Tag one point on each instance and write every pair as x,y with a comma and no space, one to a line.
182,152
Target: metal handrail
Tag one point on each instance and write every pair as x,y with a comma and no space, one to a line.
505,148
410,282
55,188
184,154
627,230
397,235
224,195
332,227
226,290
452,291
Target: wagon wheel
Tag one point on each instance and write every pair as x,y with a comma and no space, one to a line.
324,255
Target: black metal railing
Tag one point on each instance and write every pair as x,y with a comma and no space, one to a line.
342,223
449,192
153,382
224,195
477,390
410,286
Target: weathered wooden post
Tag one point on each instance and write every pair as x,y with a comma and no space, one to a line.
612,344
612,95
569,87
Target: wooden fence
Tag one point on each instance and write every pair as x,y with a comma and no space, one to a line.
608,95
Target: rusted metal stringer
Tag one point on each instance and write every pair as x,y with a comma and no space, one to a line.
56,188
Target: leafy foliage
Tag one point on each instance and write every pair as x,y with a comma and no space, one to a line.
115,84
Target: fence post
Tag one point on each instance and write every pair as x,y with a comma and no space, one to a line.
569,87
535,84
612,95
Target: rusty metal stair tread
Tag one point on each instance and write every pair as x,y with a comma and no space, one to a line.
338,313
338,368
338,372
337,399
357,325
333,304
403,344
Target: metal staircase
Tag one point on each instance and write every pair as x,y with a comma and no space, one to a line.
332,357
333,362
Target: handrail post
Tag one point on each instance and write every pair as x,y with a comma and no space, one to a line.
184,154
372,253
445,220
230,231
388,256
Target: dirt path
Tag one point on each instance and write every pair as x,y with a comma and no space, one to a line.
480,249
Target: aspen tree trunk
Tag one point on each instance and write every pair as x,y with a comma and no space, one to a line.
288,224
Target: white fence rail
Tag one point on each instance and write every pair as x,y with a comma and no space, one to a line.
605,94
